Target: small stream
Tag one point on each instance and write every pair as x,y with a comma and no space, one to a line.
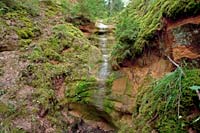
105,67
104,43
104,40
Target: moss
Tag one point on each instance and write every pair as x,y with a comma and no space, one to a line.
8,113
40,76
2,92
71,31
57,120
31,6
52,55
125,128
3,108
110,80
108,105
129,88
63,56
7,109
64,37
112,77
25,33
25,42
82,91
24,25
139,22
50,13
9,128
166,104
37,55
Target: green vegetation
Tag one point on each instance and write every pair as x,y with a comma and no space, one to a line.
31,6
108,105
24,26
111,78
58,67
90,8
57,54
44,71
166,105
54,47
40,76
10,112
140,22
81,91
114,7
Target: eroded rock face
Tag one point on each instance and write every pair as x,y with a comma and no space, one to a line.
182,37
178,40
151,65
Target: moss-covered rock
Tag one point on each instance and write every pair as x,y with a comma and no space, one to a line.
17,30
58,61
81,91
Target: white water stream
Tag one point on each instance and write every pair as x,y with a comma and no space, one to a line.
105,68
104,42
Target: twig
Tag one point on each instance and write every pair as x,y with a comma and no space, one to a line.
179,96
177,65
180,91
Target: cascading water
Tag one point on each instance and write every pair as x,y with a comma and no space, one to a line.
104,71
96,108
103,45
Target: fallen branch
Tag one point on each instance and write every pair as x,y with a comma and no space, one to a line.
177,65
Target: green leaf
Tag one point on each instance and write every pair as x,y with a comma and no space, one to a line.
196,88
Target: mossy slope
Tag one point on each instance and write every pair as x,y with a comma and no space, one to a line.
58,56
140,22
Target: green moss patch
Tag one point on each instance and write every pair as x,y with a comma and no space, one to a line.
63,55
108,105
166,104
81,91
40,76
23,25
